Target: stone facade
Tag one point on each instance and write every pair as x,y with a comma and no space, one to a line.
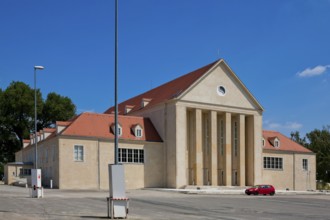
210,127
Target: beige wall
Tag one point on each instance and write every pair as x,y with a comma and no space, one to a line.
92,173
257,137
206,91
292,177
12,174
181,146
74,174
305,179
170,144
18,156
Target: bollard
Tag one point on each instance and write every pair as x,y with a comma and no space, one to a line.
51,184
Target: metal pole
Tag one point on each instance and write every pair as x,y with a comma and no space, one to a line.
116,79
35,118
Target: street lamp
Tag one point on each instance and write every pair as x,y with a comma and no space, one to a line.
35,113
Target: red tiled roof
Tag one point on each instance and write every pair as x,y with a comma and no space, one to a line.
167,91
286,144
98,125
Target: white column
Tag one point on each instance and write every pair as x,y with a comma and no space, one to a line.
241,152
198,146
181,146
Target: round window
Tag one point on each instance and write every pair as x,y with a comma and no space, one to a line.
221,90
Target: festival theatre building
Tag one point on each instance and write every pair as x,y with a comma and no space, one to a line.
203,128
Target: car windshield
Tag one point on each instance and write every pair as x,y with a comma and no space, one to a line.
256,186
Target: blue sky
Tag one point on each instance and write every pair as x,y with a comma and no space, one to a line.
279,49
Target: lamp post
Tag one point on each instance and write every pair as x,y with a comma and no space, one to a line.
35,114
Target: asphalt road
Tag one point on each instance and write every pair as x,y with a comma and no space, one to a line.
150,204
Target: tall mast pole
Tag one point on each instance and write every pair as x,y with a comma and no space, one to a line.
116,81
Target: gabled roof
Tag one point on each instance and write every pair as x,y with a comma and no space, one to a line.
174,89
286,144
98,125
165,92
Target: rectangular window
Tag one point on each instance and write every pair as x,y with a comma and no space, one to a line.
235,138
126,155
273,163
220,137
25,172
130,155
138,133
305,164
78,153
136,155
141,156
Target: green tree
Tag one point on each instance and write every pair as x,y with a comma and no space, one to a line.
319,143
17,109
295,136
57,108
17,116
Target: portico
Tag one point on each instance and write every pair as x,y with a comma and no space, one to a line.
217,147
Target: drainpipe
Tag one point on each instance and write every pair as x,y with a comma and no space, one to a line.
165,183
294,171
98,166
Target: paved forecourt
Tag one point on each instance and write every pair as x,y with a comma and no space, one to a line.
15,203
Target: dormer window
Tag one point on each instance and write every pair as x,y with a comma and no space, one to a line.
276,143
263,142
145,102
128,108
137,130
120,129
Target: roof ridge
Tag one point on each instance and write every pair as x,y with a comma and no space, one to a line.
111,115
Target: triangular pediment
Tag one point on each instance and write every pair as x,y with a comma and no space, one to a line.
221,86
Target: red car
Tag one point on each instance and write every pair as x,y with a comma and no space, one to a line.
261,189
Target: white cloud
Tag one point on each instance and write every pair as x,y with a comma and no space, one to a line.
274,125
309,72
293,125
85,110
278,126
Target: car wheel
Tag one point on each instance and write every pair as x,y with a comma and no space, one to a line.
248,193
272,193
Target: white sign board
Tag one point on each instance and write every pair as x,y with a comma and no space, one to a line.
117,190
36,183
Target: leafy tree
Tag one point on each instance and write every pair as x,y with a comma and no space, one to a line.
17,109
295,136
17,116
57,108
319,143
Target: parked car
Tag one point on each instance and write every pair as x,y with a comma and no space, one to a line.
263,189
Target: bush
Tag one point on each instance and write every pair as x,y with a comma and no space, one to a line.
320,185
